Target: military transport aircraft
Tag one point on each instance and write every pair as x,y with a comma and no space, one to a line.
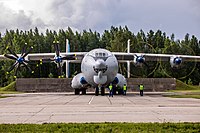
99,67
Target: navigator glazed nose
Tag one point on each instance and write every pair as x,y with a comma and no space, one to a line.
100,64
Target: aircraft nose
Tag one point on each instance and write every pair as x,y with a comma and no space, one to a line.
100,64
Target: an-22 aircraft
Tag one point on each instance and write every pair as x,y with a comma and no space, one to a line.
99,67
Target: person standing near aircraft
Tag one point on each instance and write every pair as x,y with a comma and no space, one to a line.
124,89
110,90
141,87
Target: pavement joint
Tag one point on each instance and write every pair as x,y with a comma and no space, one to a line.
64,107
109,100
71,100
91,100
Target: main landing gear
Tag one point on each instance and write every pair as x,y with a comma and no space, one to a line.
97,89
83,90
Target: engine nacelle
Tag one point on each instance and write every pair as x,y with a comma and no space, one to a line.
138,60
175,61
120,80
78,81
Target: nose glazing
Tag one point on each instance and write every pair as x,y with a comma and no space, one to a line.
100,65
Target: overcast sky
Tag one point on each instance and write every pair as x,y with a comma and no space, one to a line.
171,16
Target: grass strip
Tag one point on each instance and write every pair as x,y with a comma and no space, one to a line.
185,96
3,96
10,87
183,86
103,128
184,91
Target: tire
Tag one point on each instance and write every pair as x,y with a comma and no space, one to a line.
102,91
77,91
83,91
120,92
97,91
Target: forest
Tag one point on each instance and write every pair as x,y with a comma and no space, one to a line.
114,39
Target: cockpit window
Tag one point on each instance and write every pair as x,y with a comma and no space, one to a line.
96,54
100,54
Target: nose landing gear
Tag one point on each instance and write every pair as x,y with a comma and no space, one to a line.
99,88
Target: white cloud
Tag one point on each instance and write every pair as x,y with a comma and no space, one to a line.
179,17
12,19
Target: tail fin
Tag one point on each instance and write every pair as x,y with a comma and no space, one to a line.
67,63
67,46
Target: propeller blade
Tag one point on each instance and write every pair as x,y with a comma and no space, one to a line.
27,52
13,53
59,69
24,49
17,69
27,67
10,57
26,61
12,67
57,48
69,57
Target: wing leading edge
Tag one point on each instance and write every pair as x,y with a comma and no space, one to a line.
121,56
50,56
124,57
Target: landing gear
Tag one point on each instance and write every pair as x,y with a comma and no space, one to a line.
83,91
77,91
96,91
120,92
102,91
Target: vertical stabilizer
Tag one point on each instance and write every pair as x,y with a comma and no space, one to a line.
128,62
67,62
67,46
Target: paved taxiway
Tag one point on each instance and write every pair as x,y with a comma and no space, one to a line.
65,107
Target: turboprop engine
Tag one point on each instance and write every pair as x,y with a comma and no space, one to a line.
120,80
138,60
78,81
175,61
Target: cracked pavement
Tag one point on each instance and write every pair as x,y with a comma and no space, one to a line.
65,107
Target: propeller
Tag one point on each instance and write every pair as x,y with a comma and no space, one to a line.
58,59
139,59
19,60
178,67
143,68
177,61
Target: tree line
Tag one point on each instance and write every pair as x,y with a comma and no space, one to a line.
114,39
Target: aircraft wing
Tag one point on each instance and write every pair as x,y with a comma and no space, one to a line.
123,57
76,56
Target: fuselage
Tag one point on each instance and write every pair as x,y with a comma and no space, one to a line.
99,67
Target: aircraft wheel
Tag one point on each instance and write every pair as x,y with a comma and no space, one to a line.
77,91
120,92
83,91
97,91
102,91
